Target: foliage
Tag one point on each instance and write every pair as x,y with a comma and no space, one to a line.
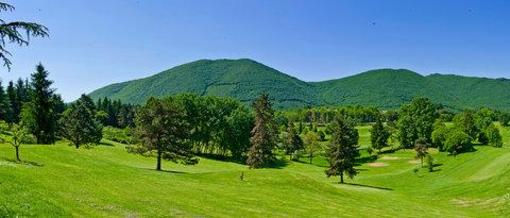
421,147
162,128
40,115
379,135
293,142
244,79
312,146
439,135
124,136
466,122
457,141
416,121
17,32
19,135
79,123
493,136
264,134
343,149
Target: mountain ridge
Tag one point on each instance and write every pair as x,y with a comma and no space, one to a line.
244,79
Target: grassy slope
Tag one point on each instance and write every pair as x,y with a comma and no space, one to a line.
107,181
245,79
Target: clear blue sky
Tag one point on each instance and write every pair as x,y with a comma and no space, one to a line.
95,43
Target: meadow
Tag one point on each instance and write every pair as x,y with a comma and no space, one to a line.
106,181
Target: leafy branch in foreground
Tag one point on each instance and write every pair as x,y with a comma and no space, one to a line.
12,32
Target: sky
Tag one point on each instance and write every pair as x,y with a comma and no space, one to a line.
94,43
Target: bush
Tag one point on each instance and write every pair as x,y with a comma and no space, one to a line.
493,136
457,141
430,162
439,136
124,136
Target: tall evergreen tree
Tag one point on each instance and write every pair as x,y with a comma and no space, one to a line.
343,148
14,106
41,99
4,103
264,134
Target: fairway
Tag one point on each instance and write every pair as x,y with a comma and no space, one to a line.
59,180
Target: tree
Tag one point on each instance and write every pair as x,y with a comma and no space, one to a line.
493,136
504,119
264,134
14,105
465,121
19,135
415,121
79,123
17,32
293,142
311,144
421,147
457,141
379,135
439,135
43,112
236,132
4,104
343,149
162,128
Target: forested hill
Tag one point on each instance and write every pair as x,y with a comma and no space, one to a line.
245,79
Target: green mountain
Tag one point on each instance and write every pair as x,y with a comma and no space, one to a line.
245,79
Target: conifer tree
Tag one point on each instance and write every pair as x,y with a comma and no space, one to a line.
79,123
44,123
264,134
343,148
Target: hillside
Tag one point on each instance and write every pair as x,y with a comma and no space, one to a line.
244,79
106,181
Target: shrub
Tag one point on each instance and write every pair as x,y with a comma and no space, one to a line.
124,136
493,136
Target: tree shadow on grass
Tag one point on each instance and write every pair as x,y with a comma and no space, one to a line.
109,144
168,171
24,162
366,186
365,159
278,164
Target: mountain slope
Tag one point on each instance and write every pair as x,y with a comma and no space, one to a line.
245,79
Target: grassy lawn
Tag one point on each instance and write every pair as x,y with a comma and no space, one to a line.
58,180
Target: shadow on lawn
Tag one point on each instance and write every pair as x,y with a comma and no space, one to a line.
23,162
367,186
168,171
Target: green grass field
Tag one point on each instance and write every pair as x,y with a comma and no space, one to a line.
106,181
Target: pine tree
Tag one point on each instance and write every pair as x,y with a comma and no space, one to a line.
4,104
44,125
79,124
14,105
264,134
343,148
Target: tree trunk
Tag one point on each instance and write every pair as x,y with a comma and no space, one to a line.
310,157
17,154
158,165
342,177
77,146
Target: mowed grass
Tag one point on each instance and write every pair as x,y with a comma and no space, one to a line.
106,181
